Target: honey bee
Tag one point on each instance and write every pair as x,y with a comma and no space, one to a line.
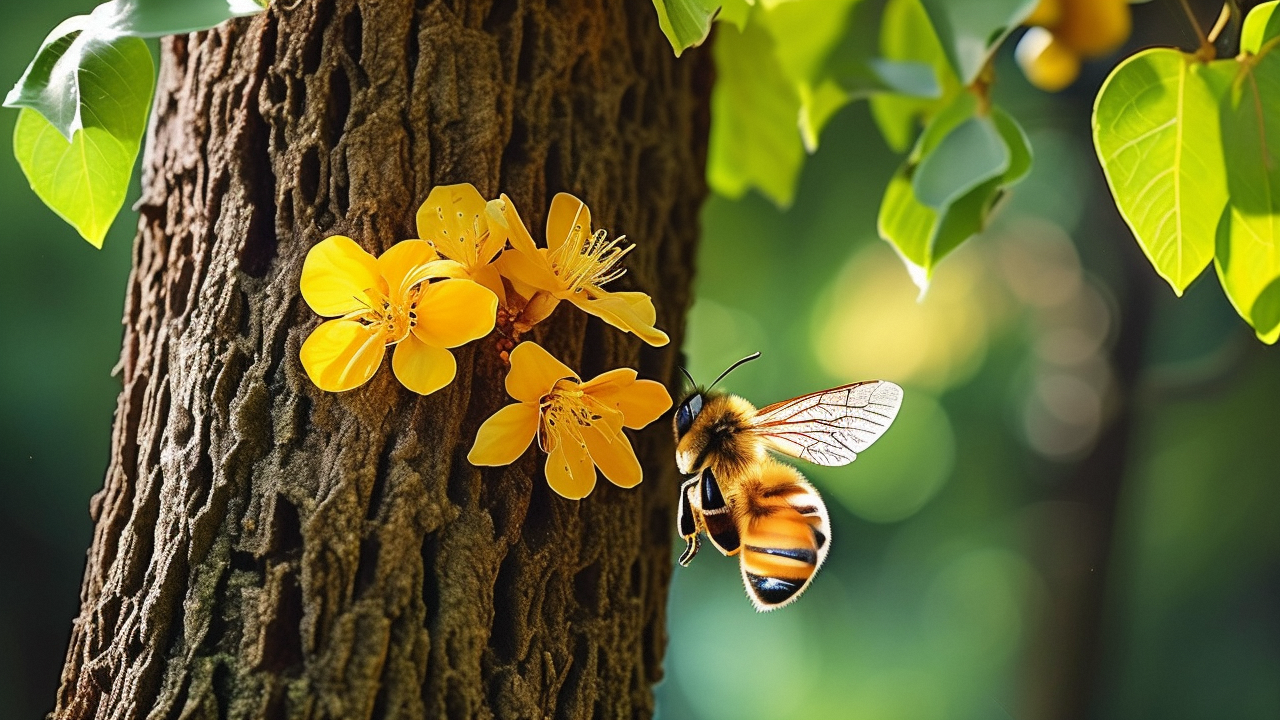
753,506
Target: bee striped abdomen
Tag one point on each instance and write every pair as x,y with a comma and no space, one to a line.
784,536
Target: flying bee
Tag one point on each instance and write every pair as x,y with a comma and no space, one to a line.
753,506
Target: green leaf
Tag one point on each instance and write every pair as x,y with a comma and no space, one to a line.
1260,25
971,30
855,63
153,18
84,180
52,82
84,101
1015,139
907,37
736,12
1156,132
806,34
971,154
755,107
1247,256
924,235
686,23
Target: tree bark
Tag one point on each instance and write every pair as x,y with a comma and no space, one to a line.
267,550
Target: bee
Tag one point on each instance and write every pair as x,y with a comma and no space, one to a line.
749,504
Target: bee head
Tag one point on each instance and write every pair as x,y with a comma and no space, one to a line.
708,424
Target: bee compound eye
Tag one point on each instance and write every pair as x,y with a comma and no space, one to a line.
687,411
684,419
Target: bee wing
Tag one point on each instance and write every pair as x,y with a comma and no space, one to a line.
785,535
832,426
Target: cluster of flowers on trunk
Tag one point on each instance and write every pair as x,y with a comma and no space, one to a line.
475,267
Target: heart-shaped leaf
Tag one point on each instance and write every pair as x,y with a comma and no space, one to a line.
1156,132
85,98
84,180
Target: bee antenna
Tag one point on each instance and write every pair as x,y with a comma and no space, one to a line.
734,366
692,384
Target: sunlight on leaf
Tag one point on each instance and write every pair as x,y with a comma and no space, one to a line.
1247,255
85,99
1155,129
1261,25
84,181
52,83
755,141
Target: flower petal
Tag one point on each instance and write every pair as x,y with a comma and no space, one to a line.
455,312
503,211
505,435
640,402
567,215
534,372
614,455
613,379
570,471
488,276
342,354
453,219
335,275
530,269
402,262
423,368
496,239
631,312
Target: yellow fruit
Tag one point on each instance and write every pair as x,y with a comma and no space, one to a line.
1046,14
1093,28
1048,63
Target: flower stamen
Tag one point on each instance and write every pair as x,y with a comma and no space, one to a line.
589,263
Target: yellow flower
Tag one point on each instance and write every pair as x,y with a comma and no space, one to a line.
388,301
575,266
455,222
579,425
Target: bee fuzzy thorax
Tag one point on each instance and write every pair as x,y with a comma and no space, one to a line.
717,437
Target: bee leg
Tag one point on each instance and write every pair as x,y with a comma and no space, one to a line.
717,516
687,521
691,544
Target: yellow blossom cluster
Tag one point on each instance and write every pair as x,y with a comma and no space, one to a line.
475,267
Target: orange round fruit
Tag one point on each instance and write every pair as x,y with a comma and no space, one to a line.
1093,28
1046,14
1047,62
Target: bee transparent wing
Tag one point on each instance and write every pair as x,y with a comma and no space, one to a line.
832,426
785,535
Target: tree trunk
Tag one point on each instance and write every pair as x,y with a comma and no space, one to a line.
267,550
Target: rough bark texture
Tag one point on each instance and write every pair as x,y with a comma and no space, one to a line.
266,550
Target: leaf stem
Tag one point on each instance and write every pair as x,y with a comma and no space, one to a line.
1205,43
1224,16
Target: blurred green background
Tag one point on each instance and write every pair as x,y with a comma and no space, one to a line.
61,333
1074,515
